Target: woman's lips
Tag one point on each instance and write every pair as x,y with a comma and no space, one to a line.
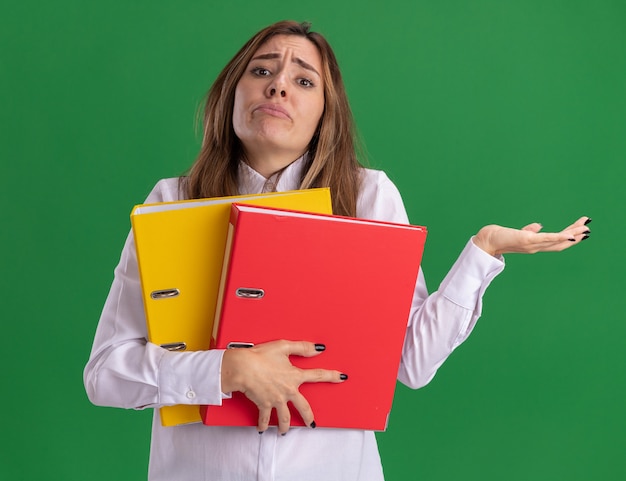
273,110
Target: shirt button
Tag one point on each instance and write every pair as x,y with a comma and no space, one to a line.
191,394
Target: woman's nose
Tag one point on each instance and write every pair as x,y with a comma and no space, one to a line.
278,86
273,92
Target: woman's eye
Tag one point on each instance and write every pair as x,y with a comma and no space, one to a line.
305,82
260,71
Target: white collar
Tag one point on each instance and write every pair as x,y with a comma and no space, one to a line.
251,182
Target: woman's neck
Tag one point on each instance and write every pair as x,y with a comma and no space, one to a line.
270,163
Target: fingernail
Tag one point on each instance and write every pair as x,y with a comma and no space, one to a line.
585,238
587,232
588,220
261,432
320,347
343,377
282,434
571,239
313,425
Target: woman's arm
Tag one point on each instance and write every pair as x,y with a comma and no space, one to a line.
497,240
125,370
441,321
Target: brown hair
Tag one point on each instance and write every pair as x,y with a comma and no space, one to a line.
332,160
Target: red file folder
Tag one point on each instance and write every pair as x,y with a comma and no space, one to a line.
346,283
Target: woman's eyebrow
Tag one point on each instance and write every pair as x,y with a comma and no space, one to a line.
305,65
299,61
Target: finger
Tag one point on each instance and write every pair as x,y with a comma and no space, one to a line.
578,233
304,409
546,239
302,348
264,419
547,242
323,375
534,227
284,418
582,221
556,244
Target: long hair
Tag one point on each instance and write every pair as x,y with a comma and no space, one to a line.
332,159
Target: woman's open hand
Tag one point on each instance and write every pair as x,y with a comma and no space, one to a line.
267,377
496,240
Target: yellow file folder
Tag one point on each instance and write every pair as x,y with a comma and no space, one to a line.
180,251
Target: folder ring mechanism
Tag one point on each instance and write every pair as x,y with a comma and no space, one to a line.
165,294
175,346
249,293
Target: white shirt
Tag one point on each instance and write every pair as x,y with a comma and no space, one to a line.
124,370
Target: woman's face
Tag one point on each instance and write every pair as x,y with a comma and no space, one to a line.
279,101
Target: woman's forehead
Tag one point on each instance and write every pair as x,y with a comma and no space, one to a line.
295,45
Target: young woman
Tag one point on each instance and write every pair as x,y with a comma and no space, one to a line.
277,118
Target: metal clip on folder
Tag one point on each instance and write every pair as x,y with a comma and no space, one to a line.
165,294
175,346
249,293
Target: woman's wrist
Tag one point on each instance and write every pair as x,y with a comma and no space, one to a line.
229,377
481,240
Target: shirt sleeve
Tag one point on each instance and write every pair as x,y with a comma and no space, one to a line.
439,322
124,369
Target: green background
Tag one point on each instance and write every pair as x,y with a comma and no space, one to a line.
481,111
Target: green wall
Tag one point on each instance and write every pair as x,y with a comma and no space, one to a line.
481,111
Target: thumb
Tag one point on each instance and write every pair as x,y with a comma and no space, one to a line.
534,227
